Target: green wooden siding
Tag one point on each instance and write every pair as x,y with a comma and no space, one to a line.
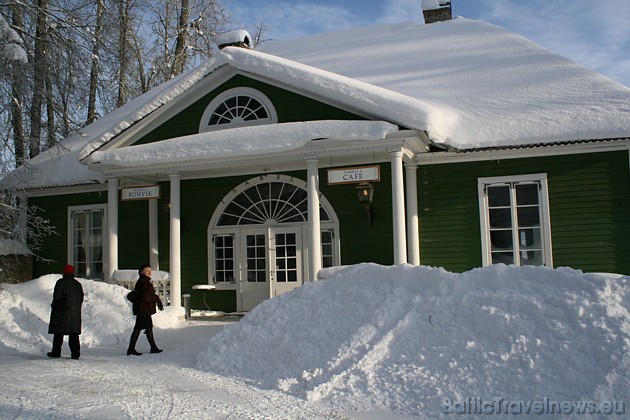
360,242
290,107
588,200
55,210
589,208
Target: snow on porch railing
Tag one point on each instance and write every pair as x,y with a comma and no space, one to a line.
160,279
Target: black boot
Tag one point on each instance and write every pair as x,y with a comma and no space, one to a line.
151,339
56,348
132,344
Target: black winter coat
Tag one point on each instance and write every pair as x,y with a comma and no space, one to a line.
146,298
65,316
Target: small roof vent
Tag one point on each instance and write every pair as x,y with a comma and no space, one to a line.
237,38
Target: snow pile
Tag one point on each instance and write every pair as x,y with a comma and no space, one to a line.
106,315
368,342
404,337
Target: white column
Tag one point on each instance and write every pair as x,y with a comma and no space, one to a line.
153,235
175,241
398,207
314,227
112,229
413,238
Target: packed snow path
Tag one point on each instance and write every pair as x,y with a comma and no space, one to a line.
107,384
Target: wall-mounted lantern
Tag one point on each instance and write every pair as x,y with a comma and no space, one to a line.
166,205
365,192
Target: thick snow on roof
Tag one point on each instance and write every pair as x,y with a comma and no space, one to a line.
504,89
252,140
468,84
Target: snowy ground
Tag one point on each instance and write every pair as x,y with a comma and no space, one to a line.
370,342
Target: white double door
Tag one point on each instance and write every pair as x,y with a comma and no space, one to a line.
271,263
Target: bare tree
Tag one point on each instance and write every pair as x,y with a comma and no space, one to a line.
94,70
39,76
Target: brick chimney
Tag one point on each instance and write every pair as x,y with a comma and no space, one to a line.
436,10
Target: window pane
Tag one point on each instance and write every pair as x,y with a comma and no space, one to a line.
500,218
531,258
528,216
499,196
529,239
501,240
526,194
502,258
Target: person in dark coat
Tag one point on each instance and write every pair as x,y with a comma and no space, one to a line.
65,316
144,306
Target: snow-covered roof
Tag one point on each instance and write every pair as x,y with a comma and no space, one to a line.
467,84
13,247
243,141
497,87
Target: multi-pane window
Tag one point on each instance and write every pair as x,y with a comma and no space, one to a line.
286,257
87,242
224,258
327,249
275,203
237,108
515,220
256,258
279,202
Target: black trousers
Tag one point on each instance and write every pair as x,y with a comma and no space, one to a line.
73,342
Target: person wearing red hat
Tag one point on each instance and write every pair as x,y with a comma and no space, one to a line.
65,315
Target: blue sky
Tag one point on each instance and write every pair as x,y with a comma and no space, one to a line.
593,33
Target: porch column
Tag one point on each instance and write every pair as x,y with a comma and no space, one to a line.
175,241
112,229
413,239
398,207
314,227
153,234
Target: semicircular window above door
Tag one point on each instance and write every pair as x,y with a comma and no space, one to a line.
258,238
269,202
238,107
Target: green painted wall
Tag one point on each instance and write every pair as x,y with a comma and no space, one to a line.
290,107
199,198
588,200
589,208
55,210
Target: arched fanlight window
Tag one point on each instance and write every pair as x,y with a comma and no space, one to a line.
237,107
272,201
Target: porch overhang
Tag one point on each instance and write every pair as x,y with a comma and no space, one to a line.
240,151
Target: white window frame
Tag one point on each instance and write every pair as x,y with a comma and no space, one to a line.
240,91
545,220
332,225
70,236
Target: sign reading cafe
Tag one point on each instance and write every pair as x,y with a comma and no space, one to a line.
352,175
147,192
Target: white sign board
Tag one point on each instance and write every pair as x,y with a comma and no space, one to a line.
141,193
354,175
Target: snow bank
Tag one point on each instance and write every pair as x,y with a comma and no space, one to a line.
106,315
375,339
405,337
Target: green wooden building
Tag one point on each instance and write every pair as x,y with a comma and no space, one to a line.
455,144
